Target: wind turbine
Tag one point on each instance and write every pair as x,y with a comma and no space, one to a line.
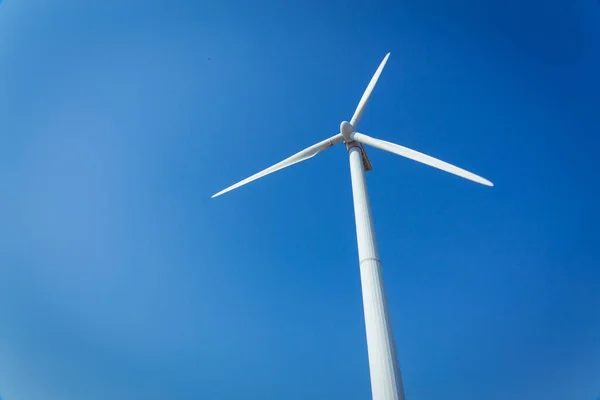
386,380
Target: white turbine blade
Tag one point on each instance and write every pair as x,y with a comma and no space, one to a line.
420,157
365,97
296,158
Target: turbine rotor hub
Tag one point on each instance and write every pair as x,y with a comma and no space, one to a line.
346,129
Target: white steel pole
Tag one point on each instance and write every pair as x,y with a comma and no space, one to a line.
386,381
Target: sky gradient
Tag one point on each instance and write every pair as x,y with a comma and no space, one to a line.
120,278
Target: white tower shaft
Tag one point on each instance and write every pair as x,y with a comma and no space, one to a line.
386,380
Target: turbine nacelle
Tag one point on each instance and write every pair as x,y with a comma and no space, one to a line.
346,130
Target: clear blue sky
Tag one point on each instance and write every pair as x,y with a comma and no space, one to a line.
120,278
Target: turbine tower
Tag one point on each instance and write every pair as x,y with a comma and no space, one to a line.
386,380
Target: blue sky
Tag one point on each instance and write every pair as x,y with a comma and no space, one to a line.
121,278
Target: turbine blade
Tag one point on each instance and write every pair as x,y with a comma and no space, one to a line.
420,157
365,97
296,158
